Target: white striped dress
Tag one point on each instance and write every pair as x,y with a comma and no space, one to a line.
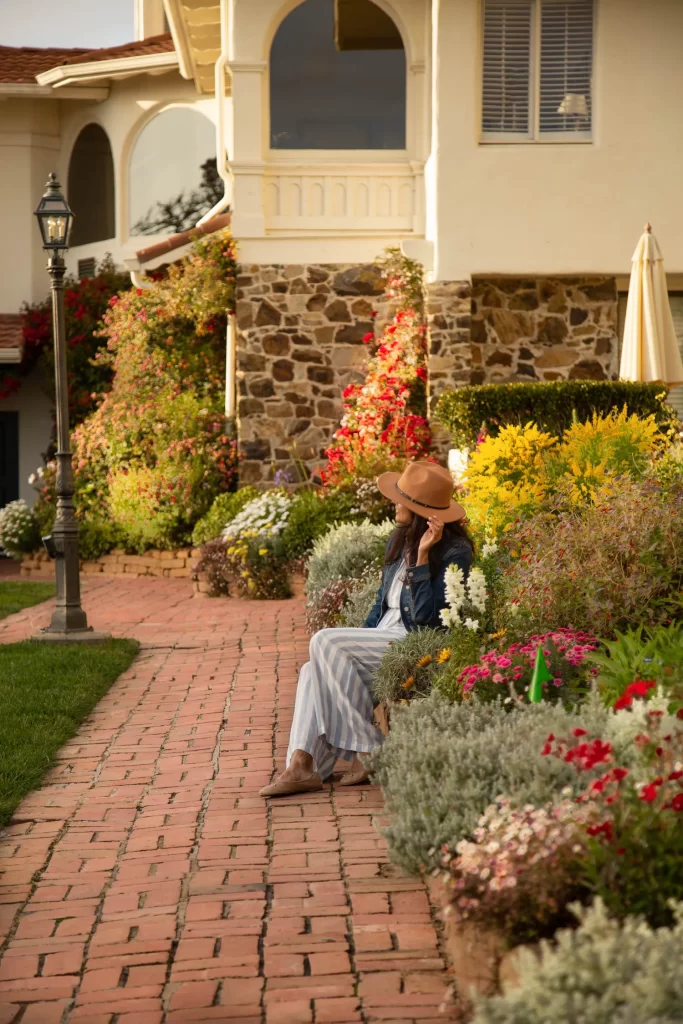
333,711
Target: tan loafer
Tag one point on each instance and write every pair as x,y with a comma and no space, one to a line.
311,784
356,778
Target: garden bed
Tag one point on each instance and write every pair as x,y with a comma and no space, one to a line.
167,564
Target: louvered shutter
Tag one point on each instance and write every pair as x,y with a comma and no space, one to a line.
507,67
676,394
566,67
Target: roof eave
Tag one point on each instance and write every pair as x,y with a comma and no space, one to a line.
31,90
120,67
178,27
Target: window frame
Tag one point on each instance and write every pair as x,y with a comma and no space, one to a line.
533,136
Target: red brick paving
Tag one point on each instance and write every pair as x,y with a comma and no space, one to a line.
147,883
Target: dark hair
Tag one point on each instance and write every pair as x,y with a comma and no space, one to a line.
406,539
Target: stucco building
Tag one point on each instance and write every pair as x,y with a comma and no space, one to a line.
514,147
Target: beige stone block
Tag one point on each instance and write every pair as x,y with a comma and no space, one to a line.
557,356
179,573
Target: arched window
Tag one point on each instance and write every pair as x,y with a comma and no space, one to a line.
173,177
91,187
337,78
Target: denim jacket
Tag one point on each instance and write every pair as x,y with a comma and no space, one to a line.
423,598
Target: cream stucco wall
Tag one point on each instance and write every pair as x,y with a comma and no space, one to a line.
561,208
34,406
29,150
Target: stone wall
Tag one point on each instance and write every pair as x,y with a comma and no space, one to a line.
300,343
300,336
167,564
543,329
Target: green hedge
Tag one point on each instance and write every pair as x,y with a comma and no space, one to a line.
552,406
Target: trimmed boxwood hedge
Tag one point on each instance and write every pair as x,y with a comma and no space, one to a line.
553,405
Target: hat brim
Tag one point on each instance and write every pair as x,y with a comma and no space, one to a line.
386,484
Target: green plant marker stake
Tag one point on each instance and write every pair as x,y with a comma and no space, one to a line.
541,675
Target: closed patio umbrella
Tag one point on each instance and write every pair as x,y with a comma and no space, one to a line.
650,350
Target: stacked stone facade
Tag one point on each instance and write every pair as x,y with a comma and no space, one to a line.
547,328
300,343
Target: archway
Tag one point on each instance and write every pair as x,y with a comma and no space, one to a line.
91,187
337,78
172,173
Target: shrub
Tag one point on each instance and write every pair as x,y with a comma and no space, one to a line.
85,303
347,551
326,609
632,540
519,873
223,511
640,653
408,665
216,565
507,477
163,419
443,764
97,537
603,972
553,406
311,515
595,452
19,531
264,516
360,600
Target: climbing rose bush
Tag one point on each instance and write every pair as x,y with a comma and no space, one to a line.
384,421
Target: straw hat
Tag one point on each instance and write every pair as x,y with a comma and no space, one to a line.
425,488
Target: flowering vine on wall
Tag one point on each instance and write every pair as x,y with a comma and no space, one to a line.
384,419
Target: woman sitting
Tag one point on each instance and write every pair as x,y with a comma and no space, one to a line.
334,707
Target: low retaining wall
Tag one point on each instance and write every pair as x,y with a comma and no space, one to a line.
168,564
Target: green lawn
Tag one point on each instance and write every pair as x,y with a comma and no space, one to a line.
45,693
15,595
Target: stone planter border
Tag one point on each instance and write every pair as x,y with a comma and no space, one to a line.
166,564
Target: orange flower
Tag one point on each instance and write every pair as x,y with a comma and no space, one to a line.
409,683
426,660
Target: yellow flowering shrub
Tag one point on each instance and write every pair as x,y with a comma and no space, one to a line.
507,477
594,453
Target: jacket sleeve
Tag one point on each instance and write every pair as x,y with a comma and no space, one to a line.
376,611
429,595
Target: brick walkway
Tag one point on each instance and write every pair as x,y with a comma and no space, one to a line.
147,882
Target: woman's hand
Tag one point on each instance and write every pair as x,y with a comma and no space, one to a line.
431,536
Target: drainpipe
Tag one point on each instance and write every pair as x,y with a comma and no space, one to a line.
136,274
231,337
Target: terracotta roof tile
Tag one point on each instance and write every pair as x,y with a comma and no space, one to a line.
173,242
23,63
140,48
11,325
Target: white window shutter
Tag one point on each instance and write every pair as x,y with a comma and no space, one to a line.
506,106
566,67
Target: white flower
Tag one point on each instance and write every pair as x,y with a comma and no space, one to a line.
455,587
32,479
489,548
476,586
513,607
472,624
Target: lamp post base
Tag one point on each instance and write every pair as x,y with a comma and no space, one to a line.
70,636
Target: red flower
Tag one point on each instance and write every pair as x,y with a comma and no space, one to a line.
367,338
623,702
578,732
677,803
649,793
619,773
674,776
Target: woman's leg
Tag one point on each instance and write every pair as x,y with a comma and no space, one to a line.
334,706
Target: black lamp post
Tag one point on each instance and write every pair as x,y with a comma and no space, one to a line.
69,621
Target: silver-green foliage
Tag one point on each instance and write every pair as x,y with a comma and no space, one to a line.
399,662
601,973
348,551
361,600
443,764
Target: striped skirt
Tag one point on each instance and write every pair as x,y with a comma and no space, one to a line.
334,707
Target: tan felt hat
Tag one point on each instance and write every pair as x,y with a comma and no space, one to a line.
425,488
